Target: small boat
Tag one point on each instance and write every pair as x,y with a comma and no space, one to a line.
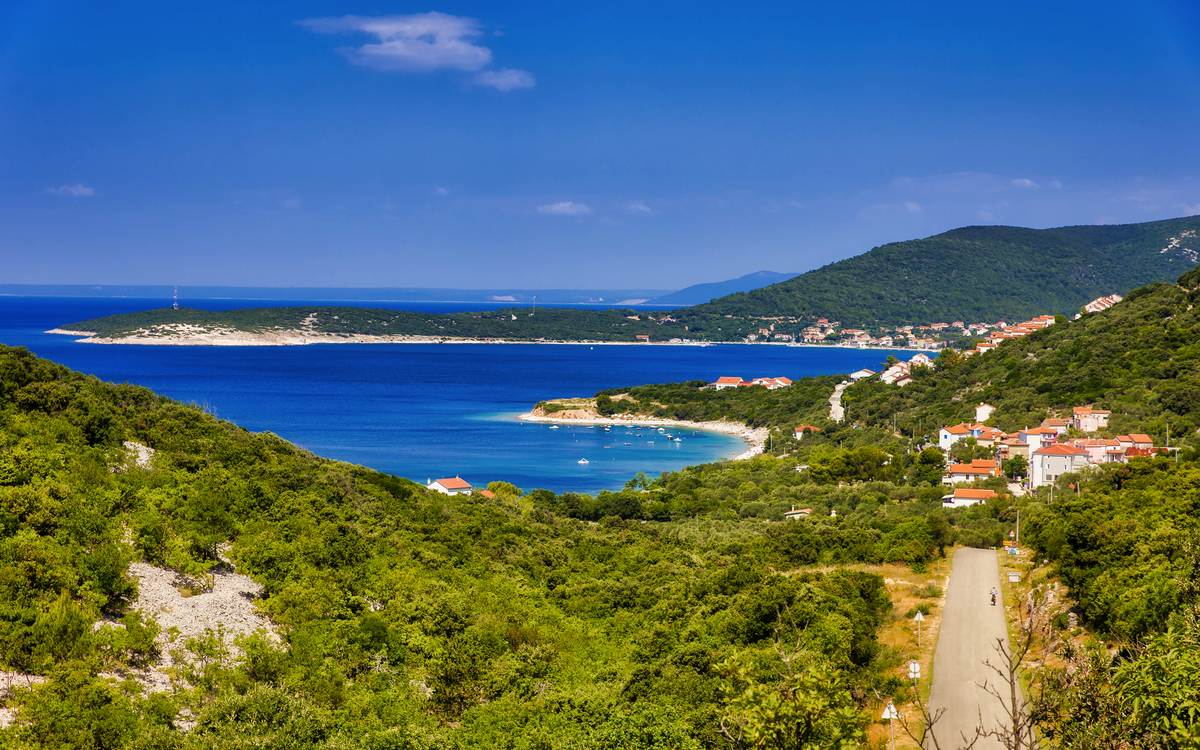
554,427
649,442
627,444
584,461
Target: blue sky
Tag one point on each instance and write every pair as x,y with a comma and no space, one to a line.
558,145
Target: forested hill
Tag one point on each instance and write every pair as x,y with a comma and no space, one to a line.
979,274
1139,359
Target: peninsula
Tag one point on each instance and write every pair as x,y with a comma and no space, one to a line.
942,291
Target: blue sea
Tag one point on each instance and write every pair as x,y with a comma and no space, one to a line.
423,410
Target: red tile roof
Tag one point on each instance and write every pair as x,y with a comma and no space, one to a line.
454,483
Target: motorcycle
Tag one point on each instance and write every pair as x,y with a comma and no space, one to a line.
993,600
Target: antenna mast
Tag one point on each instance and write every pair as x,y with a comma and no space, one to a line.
176,298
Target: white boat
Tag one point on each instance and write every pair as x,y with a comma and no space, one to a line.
584,461
554,427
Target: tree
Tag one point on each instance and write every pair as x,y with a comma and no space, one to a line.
929,466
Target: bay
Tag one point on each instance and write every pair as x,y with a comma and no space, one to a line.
425,410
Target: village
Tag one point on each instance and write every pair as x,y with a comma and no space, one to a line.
932,336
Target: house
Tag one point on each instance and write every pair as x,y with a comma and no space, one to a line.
980,468
1141,442
1060,426
642,337
983,412
1102,303
1049,463
450,486
726,382
860,374
1087,419
948,436
921,359
1012,447
964,496
793,514
988,437
1101,450
1038,437
803,428
772,383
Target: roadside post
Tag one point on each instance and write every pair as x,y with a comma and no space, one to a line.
919,618
890,713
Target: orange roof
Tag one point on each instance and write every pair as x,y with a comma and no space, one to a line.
487,493
454,483
969,469
1140,438
983,463
974,494
803,427
731,381
958,429
1059,450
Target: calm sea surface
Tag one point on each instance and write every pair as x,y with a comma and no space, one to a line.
423,410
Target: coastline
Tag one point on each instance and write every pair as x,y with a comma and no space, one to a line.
754,437
232,337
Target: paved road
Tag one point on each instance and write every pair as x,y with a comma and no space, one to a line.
967,638
835,403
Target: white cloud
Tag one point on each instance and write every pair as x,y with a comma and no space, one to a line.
420,43
291,203
1191,210
441,191
911,207
506,80
72,191
1055,184
796,204
1025,184
566,208
639,208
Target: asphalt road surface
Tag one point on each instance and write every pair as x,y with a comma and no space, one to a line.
967,638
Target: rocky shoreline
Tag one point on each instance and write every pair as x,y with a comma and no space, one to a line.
185,335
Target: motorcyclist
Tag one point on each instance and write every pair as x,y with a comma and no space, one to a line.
993,596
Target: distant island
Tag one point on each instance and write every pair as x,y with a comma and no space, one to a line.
947,290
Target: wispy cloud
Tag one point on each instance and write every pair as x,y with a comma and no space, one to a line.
639,208
72,191
441,191
506,80
421,43
290,203
1026,184
566,208
1191,210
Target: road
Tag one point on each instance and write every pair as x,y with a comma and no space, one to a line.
835,403
967,638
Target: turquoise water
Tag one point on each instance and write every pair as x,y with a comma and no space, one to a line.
425,410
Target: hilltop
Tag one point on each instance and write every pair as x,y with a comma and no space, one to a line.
978,274
975,275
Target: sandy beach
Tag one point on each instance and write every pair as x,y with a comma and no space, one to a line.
754,437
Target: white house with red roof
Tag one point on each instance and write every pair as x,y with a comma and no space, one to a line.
1049,463
450,486
964,496
983,412
980,468
726,382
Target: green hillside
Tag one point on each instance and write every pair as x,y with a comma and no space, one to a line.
978,274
